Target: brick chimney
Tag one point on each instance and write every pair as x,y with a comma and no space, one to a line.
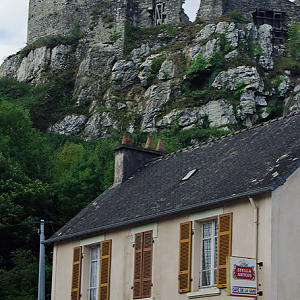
129,158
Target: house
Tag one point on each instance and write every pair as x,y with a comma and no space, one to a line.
164,229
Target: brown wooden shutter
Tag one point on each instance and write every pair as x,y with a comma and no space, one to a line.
147,264
142,280
185,251
138,266
76,274
224,247
105,259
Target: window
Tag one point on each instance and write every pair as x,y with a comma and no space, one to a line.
211,245
98,273
142,281
209,253
94,272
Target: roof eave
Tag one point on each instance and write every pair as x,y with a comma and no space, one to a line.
158,215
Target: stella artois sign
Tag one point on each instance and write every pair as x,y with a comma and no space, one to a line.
242,276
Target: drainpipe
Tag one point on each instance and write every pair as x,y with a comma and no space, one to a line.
255,228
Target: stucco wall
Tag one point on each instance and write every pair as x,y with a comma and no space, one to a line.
166,252
286,240
62,270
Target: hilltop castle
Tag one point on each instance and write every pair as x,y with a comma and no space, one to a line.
59,17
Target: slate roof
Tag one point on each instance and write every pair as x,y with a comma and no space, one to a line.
247,162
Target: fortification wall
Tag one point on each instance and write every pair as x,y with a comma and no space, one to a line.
211,9
247,7
62,17
99,18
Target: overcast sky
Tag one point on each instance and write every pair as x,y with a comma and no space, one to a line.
13,24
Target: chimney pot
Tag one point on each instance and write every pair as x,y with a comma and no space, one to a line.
160,145
149,143
126,139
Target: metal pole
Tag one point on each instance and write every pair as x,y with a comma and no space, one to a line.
41,288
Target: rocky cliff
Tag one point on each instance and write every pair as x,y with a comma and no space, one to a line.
225,74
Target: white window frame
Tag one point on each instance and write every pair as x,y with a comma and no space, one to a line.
197,220
97,272
213,253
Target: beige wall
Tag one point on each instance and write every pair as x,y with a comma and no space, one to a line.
62,270
166,252
286,240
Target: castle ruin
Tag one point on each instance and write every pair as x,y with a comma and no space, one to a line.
60,17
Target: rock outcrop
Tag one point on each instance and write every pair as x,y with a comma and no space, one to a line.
217,75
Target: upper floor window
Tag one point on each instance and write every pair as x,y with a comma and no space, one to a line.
94,272
209,253
211,245
98,272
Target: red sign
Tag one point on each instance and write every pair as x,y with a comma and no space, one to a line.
244,273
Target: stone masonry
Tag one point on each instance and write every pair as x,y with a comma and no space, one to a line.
211,9
64,17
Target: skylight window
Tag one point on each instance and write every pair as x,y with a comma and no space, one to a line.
189,175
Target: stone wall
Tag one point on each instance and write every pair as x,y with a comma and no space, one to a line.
63,17
211,9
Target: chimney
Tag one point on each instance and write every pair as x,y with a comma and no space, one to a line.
149,143
129,158
160,145
126,139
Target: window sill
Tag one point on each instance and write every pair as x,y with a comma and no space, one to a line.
204,292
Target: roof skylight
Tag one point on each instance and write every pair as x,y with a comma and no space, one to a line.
189,175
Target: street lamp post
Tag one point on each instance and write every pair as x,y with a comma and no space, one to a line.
41,287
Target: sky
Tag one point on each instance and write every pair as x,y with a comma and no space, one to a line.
13,24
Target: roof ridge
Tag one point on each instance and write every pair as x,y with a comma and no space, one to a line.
209,141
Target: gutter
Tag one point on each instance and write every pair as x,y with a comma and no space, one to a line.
255,227
176,210
154,216
285,177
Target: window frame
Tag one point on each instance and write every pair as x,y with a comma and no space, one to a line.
197,219
103,267
213,254
98,261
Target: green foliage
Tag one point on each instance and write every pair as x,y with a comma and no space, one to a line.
199,76
52,41
294,40
66,156
155,67
45,103
237,17
88,173
285,63
175,138
135,36
20,282
20,141
116,35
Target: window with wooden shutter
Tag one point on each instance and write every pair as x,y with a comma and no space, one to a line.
76,274
185,251
104,278
224,247
142,280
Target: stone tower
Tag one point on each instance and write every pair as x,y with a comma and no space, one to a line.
211,9
62,17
